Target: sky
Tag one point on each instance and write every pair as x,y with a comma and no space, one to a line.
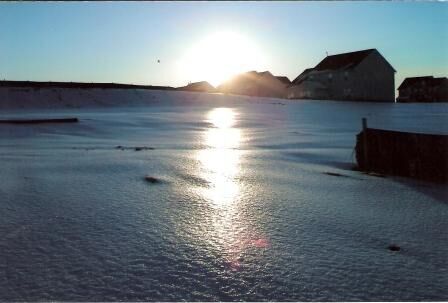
173,43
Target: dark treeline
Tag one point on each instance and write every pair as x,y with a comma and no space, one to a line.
35,84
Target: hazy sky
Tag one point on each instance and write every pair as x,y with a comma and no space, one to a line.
121,42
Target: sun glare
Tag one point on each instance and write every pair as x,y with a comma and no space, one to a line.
222,117
219,57
220,160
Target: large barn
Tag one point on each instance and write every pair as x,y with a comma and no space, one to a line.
360,76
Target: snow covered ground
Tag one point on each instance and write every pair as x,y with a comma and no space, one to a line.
244,209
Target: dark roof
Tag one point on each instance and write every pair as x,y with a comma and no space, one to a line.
306,71
283,79
346,60
302,75
439,81
413,80
430,80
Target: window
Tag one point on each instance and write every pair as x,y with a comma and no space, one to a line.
347,92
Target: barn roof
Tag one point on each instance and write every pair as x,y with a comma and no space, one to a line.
342,61
346,60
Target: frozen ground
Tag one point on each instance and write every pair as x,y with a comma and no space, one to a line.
244,210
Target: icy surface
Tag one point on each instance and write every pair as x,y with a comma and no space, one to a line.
244,209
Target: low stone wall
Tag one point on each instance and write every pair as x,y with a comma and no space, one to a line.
420,156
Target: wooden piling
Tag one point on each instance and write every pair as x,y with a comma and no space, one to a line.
365,141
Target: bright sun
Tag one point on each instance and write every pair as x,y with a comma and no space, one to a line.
219,57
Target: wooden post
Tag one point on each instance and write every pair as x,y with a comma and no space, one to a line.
364,132
364,124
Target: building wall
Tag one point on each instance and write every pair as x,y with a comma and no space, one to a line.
374,80
441,94
337,84
308,89
420,91
404,95
295,92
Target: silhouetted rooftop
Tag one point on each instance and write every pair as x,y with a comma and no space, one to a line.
430,81
302,75
203,86
264,73
283,79
346,60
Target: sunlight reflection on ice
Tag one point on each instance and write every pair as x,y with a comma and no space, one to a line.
221,160
221,167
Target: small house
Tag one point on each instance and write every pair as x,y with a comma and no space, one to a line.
423,89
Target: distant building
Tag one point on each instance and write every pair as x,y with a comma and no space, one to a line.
202,86
284,80
423,89
361,76
253,83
